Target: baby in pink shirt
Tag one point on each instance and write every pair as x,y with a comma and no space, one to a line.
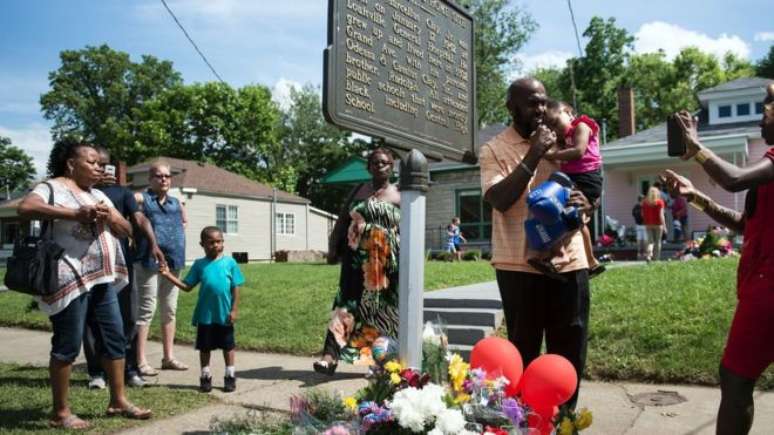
578,152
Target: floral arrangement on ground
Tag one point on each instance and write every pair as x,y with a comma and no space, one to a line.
448,396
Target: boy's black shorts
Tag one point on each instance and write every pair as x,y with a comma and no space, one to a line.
210,337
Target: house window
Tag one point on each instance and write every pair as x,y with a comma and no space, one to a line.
724,111
475,215
286,224
758,108
227,218
10,233
743,109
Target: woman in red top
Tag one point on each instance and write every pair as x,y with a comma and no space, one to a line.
653,219
749,349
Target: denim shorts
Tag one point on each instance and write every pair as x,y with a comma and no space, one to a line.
97,307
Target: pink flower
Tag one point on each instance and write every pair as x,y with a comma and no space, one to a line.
337,430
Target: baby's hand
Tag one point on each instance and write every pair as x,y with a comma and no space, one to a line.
550,155
163,269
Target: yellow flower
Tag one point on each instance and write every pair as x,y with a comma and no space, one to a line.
350,403
393,366
584,419
395,378
566,427
461,398
458,371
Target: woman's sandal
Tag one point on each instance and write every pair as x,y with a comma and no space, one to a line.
71,422
145,369
324,367
132,412
172,364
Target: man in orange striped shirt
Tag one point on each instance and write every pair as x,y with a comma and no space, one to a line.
534,304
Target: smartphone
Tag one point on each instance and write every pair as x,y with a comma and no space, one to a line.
110,170
675,143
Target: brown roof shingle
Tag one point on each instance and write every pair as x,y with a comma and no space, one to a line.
206,177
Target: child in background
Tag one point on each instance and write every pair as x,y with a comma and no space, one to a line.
217,307
578,151
455,239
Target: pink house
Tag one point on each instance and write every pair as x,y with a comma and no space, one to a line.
728,125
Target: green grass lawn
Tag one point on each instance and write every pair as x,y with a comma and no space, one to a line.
664,322
25,402
284,307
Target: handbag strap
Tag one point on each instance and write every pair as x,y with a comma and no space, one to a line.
47,222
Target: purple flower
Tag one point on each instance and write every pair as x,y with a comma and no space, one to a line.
513,411
467,386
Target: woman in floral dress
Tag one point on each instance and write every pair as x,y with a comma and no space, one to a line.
366,240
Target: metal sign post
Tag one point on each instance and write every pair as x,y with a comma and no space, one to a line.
403,71
413,186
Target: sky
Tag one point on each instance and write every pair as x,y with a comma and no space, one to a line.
279,43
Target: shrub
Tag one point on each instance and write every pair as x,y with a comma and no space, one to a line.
443,256
486,255
281,256
471,255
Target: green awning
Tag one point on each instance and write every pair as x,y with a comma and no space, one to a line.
352,172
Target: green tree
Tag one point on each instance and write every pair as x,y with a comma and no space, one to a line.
735,67
235,129
98,92
16,168
765,66
599,73
502,29
552,77
312,147
657,89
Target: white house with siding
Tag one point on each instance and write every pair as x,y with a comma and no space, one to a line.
255,218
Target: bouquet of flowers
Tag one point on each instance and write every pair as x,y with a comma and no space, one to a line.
447,398
435,351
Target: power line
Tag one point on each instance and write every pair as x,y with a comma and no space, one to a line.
580,54
192,42
574,25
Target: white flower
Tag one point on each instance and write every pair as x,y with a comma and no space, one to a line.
501,382
429,335
407,410
450,422
414,409
435,432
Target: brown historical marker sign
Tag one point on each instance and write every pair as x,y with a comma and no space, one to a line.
403,70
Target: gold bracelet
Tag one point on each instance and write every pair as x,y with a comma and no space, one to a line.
702,156
699,203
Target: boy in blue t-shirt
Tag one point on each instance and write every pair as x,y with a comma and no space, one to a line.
216,309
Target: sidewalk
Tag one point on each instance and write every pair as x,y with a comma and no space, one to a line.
268,380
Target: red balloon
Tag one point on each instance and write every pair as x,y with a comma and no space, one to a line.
549,381
498,357
543,420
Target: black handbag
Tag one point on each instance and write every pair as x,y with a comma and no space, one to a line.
33,267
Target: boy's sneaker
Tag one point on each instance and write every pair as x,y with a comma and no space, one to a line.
229,384
97,383
205,384
135,381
